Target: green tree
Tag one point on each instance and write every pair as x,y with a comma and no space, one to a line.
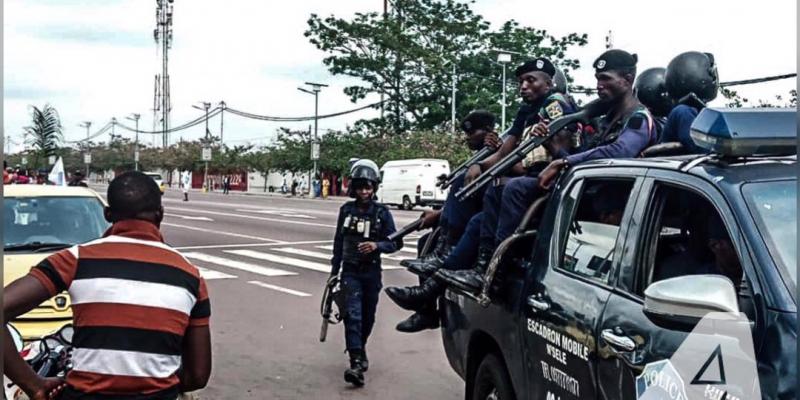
44,133
408,57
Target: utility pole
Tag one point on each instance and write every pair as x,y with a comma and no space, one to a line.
609,40
221,120
206,106
87,160
135,118
113,124
315,89
163,36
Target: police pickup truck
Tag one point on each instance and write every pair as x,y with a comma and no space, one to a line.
650,278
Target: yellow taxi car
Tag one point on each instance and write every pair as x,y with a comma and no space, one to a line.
38,221
159,180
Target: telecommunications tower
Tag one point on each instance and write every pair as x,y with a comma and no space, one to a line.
163,36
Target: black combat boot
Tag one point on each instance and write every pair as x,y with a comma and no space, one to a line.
186,197
468,280
365,360
415,298
419,321
436,254
355,374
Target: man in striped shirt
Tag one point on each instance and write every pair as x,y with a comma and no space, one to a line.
141,310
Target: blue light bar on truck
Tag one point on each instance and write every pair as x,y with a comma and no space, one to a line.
746,131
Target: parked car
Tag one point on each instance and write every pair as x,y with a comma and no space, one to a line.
38,221
159,180
409,183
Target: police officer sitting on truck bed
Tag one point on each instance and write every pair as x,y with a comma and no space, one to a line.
361,237
536,87
626,130
452,219
691,81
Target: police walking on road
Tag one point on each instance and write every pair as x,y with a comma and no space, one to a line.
361,237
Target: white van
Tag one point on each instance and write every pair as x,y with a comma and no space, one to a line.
406,183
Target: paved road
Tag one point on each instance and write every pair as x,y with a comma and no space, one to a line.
266,260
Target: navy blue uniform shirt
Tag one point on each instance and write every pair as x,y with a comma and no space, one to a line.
678,127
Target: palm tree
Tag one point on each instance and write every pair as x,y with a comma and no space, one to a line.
44,133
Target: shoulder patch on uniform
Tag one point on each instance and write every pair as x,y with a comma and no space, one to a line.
635,122
554,110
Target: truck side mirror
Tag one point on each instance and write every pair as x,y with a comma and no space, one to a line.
681,302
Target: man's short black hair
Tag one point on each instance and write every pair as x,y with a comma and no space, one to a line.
133,193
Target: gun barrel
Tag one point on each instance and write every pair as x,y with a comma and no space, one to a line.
404,231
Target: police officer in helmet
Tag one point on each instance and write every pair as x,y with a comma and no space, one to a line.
651,90
361,237
692,81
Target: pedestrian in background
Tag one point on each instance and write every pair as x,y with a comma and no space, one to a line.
326,185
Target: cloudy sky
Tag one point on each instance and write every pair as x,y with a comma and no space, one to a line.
96,59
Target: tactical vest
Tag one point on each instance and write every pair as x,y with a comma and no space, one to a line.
609,134
539,154
358,228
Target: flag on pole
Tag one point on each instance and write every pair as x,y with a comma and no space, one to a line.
56,175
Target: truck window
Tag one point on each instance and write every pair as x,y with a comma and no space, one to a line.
688,238
592,234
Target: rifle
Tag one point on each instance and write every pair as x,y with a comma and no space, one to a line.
481,155
414,226
332,291
591,110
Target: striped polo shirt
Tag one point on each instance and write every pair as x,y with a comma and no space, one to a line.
133,297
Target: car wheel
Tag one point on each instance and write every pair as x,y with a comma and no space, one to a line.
492,381
407,203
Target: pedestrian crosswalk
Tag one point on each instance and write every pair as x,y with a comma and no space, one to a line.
274,261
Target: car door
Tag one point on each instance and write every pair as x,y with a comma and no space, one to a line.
637,353
568,285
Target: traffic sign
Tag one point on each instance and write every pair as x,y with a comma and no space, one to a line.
206,154
87,158
315,151
136,156
24,160
51,160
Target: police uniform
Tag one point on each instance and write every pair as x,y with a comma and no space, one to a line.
552,106
621,137
361,273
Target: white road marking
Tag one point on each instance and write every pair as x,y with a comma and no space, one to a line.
209,274
222,246
326,247
256,269
280,213
239,235
330,248
294,262
325,256
280,289
252,217
190,217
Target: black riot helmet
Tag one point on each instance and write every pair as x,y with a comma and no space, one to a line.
363,170
651,90
560,81
695,73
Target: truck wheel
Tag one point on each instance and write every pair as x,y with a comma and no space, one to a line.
407,203
492,381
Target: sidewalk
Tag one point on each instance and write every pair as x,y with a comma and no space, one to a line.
104,186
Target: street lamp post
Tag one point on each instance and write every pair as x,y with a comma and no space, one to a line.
86,124
135,118
504,58
315,89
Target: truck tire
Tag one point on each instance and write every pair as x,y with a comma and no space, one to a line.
491,380
407,203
